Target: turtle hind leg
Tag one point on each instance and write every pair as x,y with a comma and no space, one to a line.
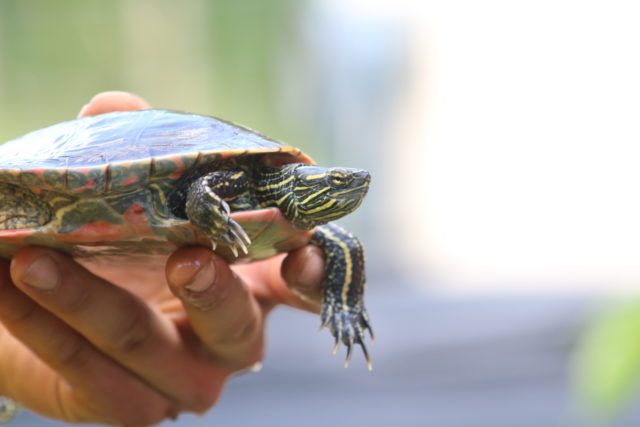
343,309
207,208
21,208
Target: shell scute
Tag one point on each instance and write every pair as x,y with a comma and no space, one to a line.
38,180
55,179
109,152
173,166
87,181
129,174
34,178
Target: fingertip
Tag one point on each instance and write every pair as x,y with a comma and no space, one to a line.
219,305
185,263
200,278
106,102
26,257
303,271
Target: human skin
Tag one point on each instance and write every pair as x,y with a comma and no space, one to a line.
74,347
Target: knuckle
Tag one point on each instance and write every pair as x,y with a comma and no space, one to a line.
213,298
244,332
20,314
218,297
76,301
247,331
74,405
65,405
73,351
131,332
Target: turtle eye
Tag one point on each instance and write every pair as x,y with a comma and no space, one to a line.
339,178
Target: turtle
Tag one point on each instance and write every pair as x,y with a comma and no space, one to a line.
132,185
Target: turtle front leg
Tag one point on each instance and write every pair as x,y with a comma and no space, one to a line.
207,208
344,284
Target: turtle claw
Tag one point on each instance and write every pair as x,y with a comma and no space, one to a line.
348,327
239,242
336,346
241,236
231,244
366,355
236,239
347,362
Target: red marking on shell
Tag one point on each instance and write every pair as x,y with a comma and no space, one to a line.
39,172
131,179
137,218
91,184
179,167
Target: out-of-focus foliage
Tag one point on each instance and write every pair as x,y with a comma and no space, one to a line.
608,359
217,57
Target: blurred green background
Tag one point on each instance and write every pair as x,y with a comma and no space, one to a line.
295,70
212,57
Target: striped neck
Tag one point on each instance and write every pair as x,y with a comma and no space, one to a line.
274,188
311,195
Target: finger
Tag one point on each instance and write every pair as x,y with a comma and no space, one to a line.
221,309
303,271
107,102
294,280
21,370
119,324
91,387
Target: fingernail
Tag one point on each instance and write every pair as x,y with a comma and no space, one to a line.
43,274
203,279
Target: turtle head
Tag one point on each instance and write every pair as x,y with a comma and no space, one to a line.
321,195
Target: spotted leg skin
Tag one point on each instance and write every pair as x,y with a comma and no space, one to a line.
20,208
343,309
206,209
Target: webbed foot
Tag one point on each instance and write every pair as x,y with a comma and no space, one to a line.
349,326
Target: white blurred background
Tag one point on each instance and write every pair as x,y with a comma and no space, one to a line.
516,153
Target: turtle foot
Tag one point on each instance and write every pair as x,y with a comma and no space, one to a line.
235,238
348,326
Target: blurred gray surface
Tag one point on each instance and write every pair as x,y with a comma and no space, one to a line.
437,362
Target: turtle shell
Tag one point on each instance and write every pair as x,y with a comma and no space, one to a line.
108,159
116,151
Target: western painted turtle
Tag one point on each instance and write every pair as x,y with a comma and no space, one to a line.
128,186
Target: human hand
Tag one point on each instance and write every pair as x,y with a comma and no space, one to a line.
77,348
